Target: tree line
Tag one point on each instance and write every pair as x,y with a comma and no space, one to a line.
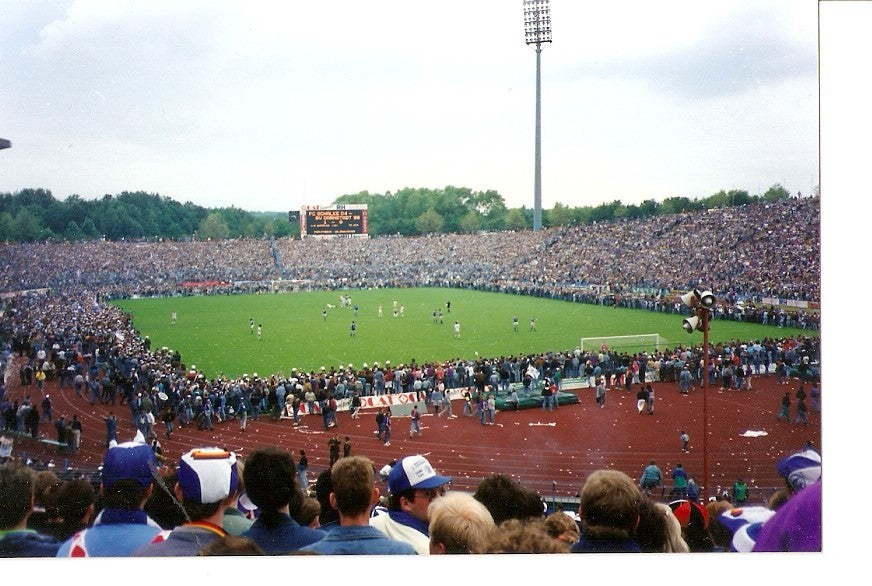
35,214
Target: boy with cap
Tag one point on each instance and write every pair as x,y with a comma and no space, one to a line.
206,486
122,526
413,484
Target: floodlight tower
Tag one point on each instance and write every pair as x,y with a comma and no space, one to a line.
537,30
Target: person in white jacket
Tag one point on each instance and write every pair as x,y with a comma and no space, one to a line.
413,485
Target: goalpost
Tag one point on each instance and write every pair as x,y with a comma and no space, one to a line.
629,344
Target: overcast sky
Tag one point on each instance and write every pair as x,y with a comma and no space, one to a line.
271,105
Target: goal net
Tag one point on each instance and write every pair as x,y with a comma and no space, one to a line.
628,344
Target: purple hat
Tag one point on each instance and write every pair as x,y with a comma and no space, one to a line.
413,473
128,461
796,525
208,475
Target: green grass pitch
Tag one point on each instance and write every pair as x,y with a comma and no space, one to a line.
213,332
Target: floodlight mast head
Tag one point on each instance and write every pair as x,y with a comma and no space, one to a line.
537,22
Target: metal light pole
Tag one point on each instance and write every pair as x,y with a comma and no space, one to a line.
537,30
701,303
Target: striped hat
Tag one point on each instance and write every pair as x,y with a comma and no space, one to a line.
800,469
208,475
744,523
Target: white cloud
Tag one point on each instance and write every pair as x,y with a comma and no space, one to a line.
269,105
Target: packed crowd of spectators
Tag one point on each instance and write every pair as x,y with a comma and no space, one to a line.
218,503
744,254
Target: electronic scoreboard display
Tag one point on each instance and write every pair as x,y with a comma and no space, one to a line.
334,221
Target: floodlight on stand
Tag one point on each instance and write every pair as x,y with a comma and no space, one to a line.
537,30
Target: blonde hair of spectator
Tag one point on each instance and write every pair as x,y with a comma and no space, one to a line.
459,524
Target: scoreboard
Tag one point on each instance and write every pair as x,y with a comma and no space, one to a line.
347,221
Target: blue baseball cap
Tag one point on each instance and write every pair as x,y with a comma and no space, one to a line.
413,473
129,461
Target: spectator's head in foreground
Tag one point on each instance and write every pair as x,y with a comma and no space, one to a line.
127,476
609,505
270,482
413,484
207,482
506,498
459,524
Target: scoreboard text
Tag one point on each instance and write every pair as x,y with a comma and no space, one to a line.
337,220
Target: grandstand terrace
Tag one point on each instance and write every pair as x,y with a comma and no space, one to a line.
742,253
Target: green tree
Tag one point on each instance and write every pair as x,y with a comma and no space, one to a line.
26,227
649,208
470,223
213,227
559,215
6,223
775,193
675,205
516,220
430,222
89,230
605,212
73,233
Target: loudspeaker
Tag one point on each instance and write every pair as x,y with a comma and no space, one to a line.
707,299
690,324
688,298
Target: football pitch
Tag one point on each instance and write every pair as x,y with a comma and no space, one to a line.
215,333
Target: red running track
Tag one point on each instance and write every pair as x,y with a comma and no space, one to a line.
537,448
